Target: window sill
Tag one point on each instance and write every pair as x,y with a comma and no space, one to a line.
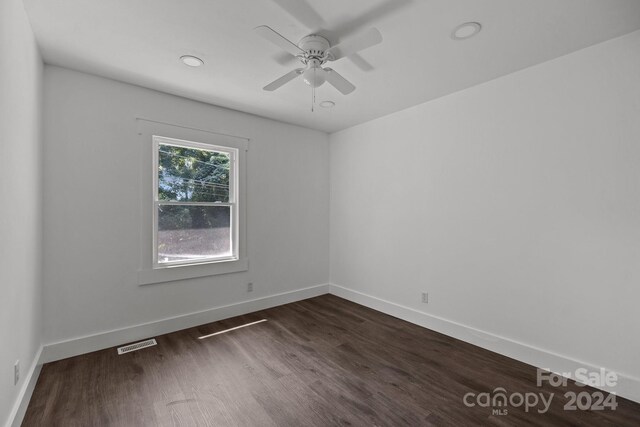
192,271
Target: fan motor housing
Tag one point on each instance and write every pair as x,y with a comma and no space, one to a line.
314,45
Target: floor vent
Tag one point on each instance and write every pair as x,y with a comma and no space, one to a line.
136,346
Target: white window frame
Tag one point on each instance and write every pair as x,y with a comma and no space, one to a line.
149,271
232,204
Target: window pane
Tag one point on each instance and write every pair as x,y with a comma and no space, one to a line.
193,232
192,175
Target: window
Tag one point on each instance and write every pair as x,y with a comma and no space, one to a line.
192,204
195,203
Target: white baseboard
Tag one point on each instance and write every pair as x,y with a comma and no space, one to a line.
87,344
24,396
627,386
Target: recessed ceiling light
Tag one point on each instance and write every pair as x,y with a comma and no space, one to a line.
191,61
466,30
327,104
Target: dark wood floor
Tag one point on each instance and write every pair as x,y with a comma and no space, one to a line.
319,362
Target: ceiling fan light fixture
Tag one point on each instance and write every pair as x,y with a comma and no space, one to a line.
466,30
314,76
191,61
314,51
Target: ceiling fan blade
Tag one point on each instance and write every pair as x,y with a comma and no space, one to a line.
339,82
284,79
359,62
367,39
278,39
301,11
284,58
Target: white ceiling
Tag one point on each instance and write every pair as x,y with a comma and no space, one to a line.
140,41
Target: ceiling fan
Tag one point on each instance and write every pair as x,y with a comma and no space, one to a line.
314,51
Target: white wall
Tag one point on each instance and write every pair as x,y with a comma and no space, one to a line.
21,195
515,204
91,204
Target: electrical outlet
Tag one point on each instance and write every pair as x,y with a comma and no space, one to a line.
425,297
249,287
16,372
